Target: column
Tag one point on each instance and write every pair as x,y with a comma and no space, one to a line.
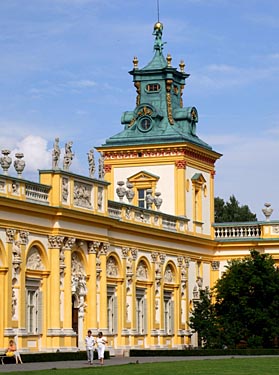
180,192
161,307
66,287
155,295
133,307
55,243
92,248
127,277
8,326
212,218
103,286
24,238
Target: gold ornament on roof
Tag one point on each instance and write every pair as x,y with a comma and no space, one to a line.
169,58
158,26
182,66
135,62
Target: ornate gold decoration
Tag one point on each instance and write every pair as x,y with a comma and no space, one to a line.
182,66
181,93
137,86
169,58
135,62
193,115
168,96
145,111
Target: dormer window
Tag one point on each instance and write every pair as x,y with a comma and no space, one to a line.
153,87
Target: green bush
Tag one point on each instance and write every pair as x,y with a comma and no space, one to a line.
54,357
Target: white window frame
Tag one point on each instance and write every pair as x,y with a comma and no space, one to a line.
112,310
141,311
168,313
33,307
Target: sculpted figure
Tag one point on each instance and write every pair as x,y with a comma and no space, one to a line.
69,155
55,154
91,162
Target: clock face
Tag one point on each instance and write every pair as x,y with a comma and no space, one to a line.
145,124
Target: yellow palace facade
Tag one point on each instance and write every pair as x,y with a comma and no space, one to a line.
127,252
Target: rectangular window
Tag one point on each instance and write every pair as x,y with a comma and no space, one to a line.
197,208
33,306
168,313
141,311
141,198
112,310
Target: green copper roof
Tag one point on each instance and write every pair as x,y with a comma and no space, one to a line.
159,116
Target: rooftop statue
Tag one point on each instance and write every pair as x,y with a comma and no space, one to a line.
55,154
91,162
69,155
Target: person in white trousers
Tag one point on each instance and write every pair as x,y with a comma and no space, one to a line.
101,345
89,343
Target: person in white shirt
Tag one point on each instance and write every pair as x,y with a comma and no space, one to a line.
101,345
89,343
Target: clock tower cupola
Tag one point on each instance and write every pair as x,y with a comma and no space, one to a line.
158,153
159,115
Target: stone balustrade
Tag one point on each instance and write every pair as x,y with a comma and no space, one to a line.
17,188
126,212
37,192
237,230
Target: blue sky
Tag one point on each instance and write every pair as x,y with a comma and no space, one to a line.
64,72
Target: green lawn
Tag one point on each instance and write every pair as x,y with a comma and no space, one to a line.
231,366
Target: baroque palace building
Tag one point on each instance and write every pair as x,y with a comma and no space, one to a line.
127,252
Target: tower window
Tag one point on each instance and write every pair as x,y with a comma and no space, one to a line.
153,87
141,198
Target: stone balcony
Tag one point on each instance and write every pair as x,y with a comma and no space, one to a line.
24,190
246,230
157,219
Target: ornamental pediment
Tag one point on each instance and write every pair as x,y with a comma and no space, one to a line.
198,178
143,176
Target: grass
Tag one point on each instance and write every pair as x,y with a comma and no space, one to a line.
231,366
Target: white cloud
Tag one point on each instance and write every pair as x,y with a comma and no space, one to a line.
36,154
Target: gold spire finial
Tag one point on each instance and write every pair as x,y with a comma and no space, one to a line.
135,62
182,66
169,58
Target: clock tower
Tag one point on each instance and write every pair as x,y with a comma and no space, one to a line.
158,151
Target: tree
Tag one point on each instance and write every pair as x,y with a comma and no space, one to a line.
246,305
231,211
203,320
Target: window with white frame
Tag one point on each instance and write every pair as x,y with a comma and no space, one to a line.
33,306
141,311
141,198
168,313
112,310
